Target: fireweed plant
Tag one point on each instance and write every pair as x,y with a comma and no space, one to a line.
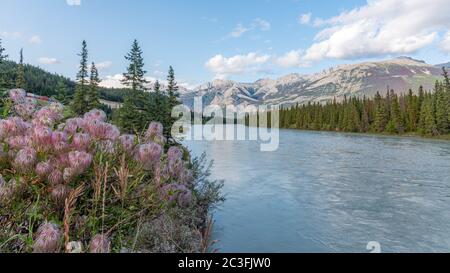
77,185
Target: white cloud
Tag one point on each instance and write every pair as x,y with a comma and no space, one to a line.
115,81
305,19
12,35
381,27
223,67
238,31
103,65
36,39
291,59
112,81
445,44
73,2
263,25
257,24
48,61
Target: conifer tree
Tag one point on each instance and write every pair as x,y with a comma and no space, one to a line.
395,124
427,123
93,96
79,105
3,57
441,108
20,80
61,92
172,89
134,77
134,114
381,115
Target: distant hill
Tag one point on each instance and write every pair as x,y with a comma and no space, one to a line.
43,83
446,65
363,79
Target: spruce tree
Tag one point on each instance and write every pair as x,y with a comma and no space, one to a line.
172,88
20,79
427,125
3,57
61,92
441,108
134,114
79,105
93,96
134,77
395,124
381,115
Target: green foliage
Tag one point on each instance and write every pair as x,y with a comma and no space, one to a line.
80,104
425,113
93,95
20,80
134,77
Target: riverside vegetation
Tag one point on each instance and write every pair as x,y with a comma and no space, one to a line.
423,113
71,181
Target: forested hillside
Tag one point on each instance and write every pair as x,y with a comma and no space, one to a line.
43,83
427,113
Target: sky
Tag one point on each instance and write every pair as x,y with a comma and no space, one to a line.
233,39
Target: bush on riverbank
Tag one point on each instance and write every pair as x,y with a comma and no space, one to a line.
78,185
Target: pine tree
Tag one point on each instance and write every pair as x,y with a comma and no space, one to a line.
135,112
172,89
441,107
93,96
395,124
412,109
381,115
427,125
129,117
134,77
61,92
79,104
20,80
3,57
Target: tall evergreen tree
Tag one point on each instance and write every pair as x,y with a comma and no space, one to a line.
20,79
79,104
427,125
61,92
381,115
172,88
441,108
93,96
395,124
3,57
134,116
134,77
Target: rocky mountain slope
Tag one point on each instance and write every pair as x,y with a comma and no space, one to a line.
400,74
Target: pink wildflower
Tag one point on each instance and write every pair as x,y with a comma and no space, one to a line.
100,244
25,159
79,161
127,142
48,239
81,141
43,169
149,155
95,114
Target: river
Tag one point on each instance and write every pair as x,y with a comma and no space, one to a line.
331,192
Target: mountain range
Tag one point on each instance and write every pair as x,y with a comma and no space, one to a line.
363,79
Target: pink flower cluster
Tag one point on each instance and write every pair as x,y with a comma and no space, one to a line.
37,143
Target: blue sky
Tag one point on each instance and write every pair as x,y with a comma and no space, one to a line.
238,40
